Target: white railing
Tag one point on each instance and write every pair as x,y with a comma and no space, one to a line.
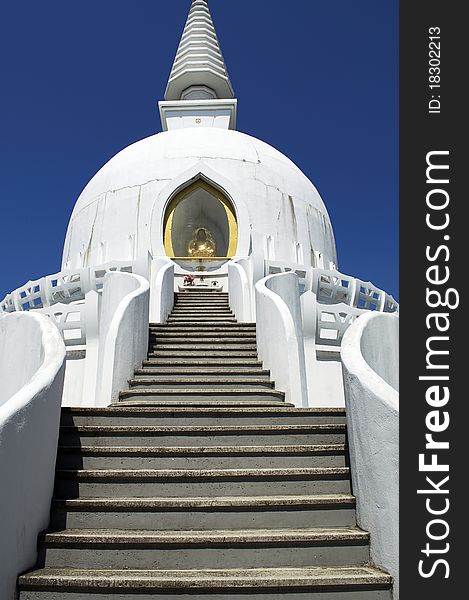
63,287
72,300
70,321
338,300
332,321
333,287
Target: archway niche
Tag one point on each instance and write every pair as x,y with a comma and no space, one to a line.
200,228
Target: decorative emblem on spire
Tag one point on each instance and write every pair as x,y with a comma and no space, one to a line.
199,71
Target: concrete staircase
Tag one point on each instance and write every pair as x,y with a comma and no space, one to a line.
203,483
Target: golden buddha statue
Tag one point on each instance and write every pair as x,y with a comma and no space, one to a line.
202,244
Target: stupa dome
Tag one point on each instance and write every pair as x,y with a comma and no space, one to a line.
120,214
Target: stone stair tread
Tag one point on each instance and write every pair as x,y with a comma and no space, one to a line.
204,334
199,403
239,372
198,450
206,502
214,361
237,327
202,353
215,408
210,429
202,313
190,380
146,474
201,391
208,318
309,577
191,346
194,537
204,340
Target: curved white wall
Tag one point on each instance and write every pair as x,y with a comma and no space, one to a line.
280,336
32,369
239,288
123,333
162,289
370,359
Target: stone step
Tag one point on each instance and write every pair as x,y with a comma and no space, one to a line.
203,353
209,415
185,320
211,328
204,374
243,512
204,346
199,549
202,306
239,372
201,335
202,298
215,342
224,457
320,583
198,382
202,435
108,483
201,403
204,314
208,361
194,393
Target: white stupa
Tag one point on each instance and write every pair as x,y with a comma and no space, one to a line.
199,303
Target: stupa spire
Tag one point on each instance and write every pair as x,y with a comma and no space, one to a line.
199,71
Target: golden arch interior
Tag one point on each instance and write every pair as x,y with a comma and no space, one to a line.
200,225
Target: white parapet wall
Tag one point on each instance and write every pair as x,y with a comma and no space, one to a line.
279,334
123,333
162,289
32,370
239,287
370,358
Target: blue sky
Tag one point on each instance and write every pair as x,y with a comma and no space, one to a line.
80,81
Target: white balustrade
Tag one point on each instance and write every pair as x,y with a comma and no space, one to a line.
333,320
70,321
61,288
332,287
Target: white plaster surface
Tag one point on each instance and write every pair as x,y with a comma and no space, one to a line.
31,373
121,209
123,333
280,336
239,286
369,353
162,289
